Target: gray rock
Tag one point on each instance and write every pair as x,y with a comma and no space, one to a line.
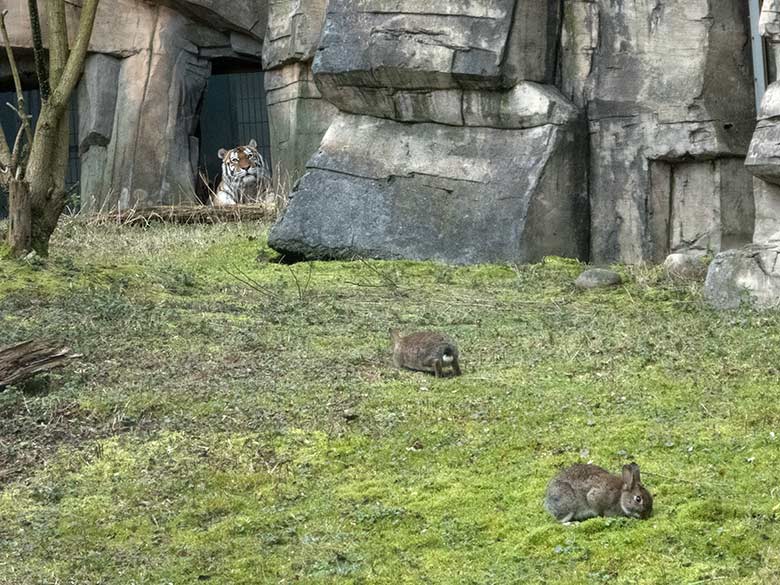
749,276
386,189
97,100
767,201
685,266
597,278
408,46
298,118
646,113
769,23
246,16
151,163
763,158
293,33
93,188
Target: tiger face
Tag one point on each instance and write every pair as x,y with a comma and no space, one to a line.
243,169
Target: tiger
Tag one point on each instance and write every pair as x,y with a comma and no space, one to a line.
244,175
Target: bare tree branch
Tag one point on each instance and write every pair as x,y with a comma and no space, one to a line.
70,76
16,153
37,38
47,131
58,40
17,79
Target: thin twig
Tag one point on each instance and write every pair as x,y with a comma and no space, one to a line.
247,280
301,290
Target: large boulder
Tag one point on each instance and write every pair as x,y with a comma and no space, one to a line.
448,144
385,189
749,275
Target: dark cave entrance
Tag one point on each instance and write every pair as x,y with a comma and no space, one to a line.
234,111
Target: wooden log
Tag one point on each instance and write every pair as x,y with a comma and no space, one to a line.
24,360
20,216
188,214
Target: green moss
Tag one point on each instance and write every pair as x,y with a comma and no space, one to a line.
239,421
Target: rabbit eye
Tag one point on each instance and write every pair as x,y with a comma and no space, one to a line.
638,499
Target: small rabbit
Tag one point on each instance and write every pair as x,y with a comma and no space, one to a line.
426,351
586,491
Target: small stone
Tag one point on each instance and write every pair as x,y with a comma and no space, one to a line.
597,278
685,266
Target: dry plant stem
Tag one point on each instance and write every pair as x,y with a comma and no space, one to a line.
302,289
247,280
189,214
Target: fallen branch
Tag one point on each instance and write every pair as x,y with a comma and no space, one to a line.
24,360
187,214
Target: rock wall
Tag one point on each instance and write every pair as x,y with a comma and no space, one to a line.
140,96
763,159
463,130
297,114
669,97
451,143
663,89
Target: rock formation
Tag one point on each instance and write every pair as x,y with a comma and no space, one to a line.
460,130
140,95
298,115
451,142
664,88
751,274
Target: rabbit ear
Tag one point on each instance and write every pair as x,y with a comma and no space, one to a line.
394,333
631,477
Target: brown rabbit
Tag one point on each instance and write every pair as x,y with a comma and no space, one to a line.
586,491
426,351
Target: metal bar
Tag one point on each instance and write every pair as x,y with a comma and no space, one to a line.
759,60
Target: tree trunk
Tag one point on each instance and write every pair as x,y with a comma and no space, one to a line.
45,218
20,214
47,162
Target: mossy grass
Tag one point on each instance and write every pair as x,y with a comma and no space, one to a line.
239,421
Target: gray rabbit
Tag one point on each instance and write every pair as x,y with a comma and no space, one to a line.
425,351
586,491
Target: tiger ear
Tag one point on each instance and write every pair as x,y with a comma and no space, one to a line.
253,143
221,154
